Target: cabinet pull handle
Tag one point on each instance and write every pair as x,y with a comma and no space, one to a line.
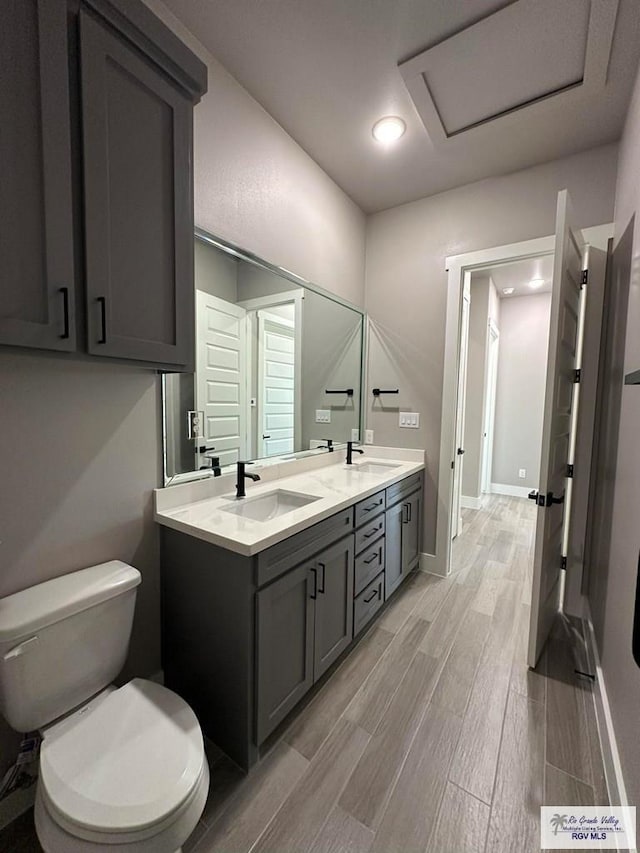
374,594
314,594
65,312
405,517
371,559
324,568
102,302
372,506
371,532
410,509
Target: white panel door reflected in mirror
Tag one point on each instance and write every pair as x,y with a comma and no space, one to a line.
269,347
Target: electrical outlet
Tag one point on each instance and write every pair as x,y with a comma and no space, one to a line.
522,473
368,436
409,420
355,435
323,416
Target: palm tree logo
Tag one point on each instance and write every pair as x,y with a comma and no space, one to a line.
558,822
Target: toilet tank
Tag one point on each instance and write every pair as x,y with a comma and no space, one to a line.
63,641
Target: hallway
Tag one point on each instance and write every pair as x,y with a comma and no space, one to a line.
432,736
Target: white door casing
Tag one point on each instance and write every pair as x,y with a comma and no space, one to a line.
560,410
221,370
458,461
276,385
491,384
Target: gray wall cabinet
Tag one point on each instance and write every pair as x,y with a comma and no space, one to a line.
403,532
98,169
37,297
246,638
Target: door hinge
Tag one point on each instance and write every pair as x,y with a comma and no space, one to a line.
585,277
563,563
577,376
569,470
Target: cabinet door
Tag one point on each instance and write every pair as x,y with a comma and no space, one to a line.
36,230
137,148
334,604
393,548
285,615
411,525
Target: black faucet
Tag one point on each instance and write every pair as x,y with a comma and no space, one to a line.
350,451
328,446
242,476
214,461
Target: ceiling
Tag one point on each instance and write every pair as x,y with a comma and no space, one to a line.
518,274
509,83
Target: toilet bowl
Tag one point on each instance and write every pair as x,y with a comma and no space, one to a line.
123,768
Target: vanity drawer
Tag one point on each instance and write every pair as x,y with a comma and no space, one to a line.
367,604
368,534
368,508
286,554
400,490
368,565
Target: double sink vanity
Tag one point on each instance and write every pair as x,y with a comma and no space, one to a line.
263,594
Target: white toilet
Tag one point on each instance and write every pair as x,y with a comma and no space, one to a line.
120,768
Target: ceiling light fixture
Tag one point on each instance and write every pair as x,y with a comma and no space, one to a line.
535,283
388,129
508,290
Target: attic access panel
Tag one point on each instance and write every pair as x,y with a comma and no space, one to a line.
521,57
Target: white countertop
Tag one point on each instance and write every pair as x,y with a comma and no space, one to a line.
198,508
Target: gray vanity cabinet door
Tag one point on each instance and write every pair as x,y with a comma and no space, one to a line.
138,205
411,531
393,567
334,604
37,306
285,619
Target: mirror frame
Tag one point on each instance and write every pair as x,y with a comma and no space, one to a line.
250,257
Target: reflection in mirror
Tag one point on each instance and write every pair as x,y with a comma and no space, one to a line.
278,367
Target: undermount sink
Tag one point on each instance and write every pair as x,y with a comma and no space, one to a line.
374,467
270,505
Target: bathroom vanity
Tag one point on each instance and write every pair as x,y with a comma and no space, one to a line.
262,595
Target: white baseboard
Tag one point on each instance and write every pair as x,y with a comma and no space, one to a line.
610,754
512,491
471,503
429,563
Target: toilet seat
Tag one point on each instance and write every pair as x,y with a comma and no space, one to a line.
124,766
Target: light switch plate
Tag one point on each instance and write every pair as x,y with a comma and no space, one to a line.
355,435
323,416
409,420
368,436
522,473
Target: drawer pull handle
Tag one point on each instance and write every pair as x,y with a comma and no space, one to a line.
371,559
373,595
371,506
372,532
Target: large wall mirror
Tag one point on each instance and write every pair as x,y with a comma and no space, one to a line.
279,366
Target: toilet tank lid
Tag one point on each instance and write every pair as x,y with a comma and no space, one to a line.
32,609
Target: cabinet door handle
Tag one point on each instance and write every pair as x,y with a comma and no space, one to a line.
65,312
371,559
410,511
374,594
324,569
314,594
405,517
102,302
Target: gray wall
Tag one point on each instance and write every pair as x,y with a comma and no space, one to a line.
484,305
522,373
216,272
613,602
406,251
81,442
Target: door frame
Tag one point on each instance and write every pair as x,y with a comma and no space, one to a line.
456,266
461,392
489,404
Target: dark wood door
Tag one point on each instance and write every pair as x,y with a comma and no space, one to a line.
137,148
285,614
37,305
334,605
411,525
393,548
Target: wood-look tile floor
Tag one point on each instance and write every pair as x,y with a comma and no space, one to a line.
432,736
